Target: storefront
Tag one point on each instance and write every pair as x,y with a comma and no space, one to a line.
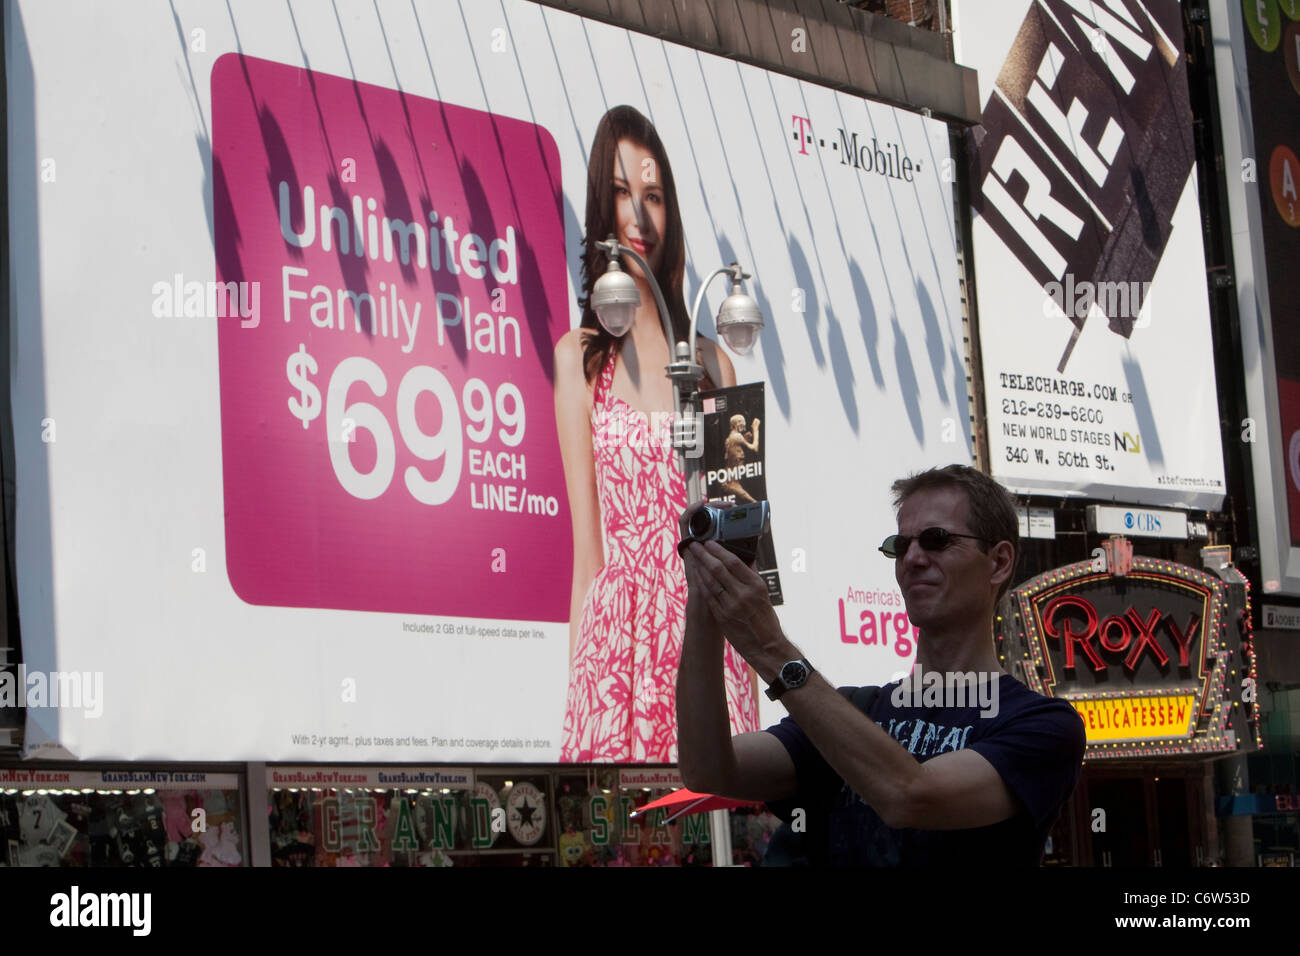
1273,800
354,816
491,816
57,815
1157,658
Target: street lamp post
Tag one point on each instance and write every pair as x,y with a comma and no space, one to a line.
615,299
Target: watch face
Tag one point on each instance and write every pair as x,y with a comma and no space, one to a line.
794,673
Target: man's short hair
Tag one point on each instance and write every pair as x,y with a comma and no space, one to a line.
992,513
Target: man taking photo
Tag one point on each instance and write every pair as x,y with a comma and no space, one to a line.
919,779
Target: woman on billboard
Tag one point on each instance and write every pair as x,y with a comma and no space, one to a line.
613,406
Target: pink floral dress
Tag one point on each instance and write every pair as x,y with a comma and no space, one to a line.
623,678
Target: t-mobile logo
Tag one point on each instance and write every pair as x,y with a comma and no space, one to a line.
802,133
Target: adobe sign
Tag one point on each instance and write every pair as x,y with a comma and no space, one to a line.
1156,660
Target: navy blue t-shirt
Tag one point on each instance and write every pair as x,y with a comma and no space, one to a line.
1035,743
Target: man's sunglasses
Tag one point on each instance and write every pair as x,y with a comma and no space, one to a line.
931,539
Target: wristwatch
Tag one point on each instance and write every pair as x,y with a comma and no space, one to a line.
792,675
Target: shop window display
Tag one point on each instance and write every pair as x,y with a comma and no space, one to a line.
751,833
354,827
89,827
1274,778
597,827
497,818
504,820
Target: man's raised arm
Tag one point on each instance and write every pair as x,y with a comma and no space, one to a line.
752,766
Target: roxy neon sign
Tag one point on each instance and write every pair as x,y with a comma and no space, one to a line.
1127,634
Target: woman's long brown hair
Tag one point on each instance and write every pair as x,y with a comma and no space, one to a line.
626,123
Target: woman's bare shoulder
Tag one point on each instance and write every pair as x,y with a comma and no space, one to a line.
569,350
570,364
571,342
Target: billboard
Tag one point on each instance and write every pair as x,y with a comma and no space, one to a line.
312,462
1089,264
1257,53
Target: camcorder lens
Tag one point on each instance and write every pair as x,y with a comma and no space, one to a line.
701,525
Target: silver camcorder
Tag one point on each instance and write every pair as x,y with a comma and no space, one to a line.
737,528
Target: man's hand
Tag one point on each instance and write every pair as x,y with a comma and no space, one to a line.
726,594
697,605
733,593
